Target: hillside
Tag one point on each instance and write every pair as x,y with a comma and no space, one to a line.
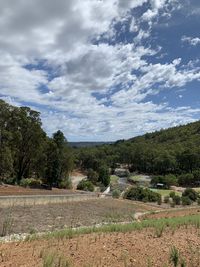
171,136
174,150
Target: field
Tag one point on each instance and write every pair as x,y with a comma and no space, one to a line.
145,244
50,217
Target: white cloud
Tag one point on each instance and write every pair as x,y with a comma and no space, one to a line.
190,40
90,90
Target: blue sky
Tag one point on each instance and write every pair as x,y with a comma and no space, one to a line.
102,70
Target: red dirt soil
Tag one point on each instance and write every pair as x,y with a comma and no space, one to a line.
172,213
10,190
134,249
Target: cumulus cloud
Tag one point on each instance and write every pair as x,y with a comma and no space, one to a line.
68,60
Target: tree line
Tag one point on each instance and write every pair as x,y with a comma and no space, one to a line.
26,150
173,151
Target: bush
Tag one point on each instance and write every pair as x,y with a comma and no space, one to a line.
172,194
177,200
31,182
116,193
92,176
85,185
65,184
104,176
198,201
191,194
142,194
185,179
186,201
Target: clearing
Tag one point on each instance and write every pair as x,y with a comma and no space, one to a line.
39,218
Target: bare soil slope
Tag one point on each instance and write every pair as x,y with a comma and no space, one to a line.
137,248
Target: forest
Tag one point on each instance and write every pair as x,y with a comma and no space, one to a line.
27,152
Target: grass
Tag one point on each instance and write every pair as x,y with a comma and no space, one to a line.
114,179
136,178
159,225
165,192
52,259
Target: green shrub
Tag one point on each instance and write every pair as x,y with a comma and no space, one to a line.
185,179
177,200
92,176
191,194
142,194
104,176
116,193
65,183
30,182
198,201
186,201
172,194
85,185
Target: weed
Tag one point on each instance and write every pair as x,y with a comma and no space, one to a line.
159,230
54,260
7,225
174,256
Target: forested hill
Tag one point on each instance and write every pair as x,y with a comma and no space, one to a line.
174,150
172,136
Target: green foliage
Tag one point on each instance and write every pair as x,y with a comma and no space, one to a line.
169,153
52,259
170,223
191,194
65,183
26,151
186,179
93,176
116,193
177,200
142,194
172,194
186,201
174,256
85,185
104,176
30,182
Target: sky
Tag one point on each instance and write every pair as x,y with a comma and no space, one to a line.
102,70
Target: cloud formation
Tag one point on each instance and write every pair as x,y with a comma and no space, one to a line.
190,40
89,66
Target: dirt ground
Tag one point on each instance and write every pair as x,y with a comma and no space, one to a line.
134,249
10,190
173,213
39,218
